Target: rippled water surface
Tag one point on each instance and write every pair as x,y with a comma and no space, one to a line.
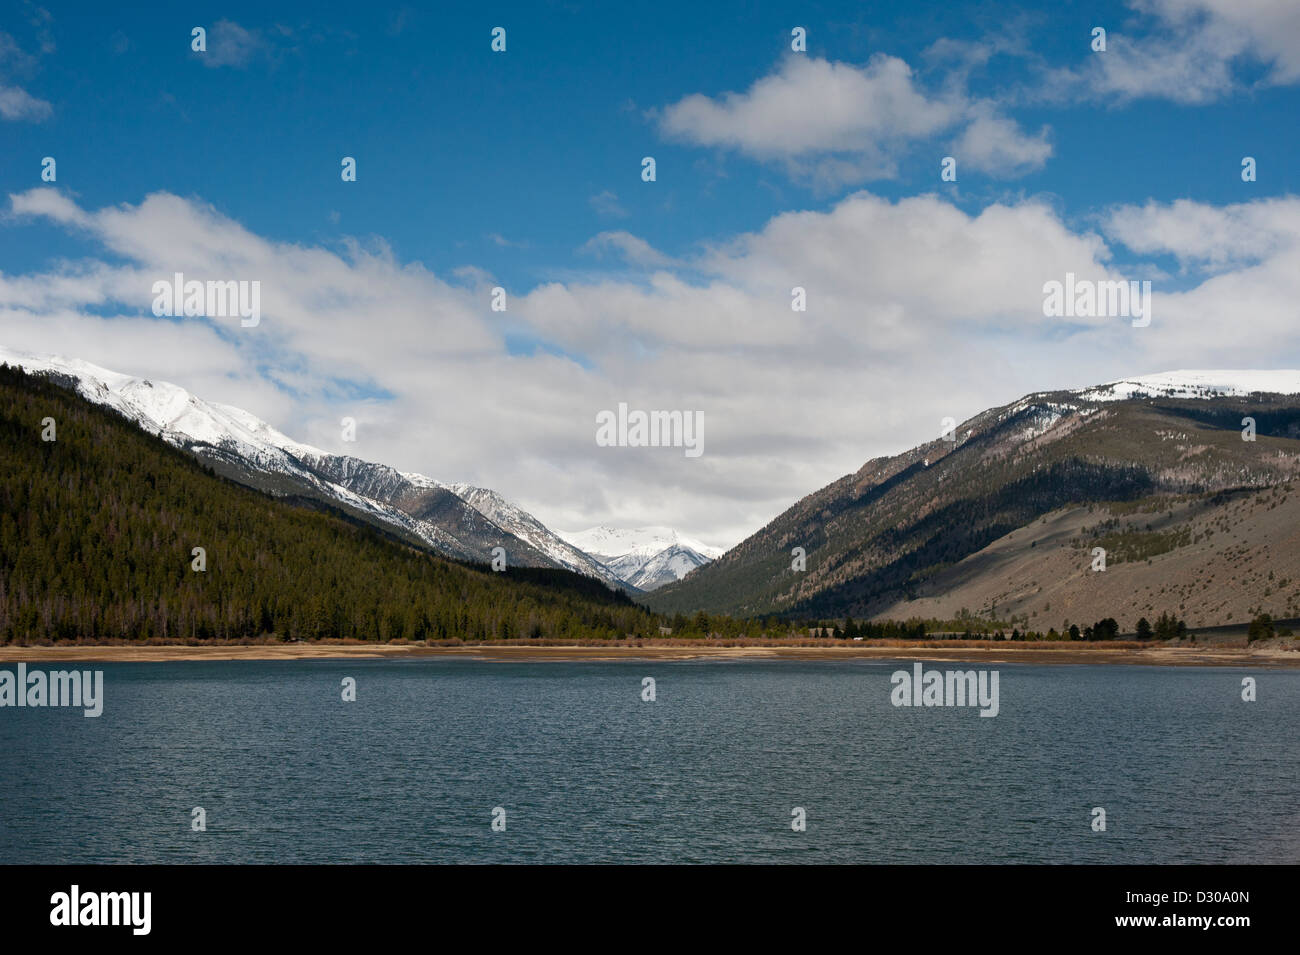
708,772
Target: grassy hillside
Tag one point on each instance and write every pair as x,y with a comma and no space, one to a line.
97,530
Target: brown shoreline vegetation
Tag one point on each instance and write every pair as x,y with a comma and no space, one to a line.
982,651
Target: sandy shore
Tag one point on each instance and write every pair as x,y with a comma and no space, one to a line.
1143,656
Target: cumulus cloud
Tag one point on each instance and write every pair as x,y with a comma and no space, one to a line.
996,145
836,123
1207,237
917,310
1243,261
1191,51
811,105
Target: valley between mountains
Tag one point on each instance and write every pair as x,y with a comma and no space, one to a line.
1183,481
460,521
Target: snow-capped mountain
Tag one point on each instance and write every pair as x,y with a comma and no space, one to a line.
1197,384
645,557
531,531
671,563
458,520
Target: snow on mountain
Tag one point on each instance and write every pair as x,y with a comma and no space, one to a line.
1196,384
648,572
532,531
670,564
418,505
1046,409
645,557
464,521
168,410
605,541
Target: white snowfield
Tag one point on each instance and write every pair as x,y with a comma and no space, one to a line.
1197,384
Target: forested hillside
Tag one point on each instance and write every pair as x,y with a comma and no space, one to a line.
98,528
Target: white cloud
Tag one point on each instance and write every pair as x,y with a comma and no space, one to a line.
811,106
836,123
49,203
1212,238
606,204
916,310
1191,51
1245,261
1266,31
230,44
996,145
17,104
634,250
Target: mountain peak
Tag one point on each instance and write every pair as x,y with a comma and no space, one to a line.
607,541
645,557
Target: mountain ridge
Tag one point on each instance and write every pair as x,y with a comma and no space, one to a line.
459,521
877,539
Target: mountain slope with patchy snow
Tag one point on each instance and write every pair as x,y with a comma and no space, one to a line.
908,525
459,521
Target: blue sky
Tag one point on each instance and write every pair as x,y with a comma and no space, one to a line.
457,145
523,169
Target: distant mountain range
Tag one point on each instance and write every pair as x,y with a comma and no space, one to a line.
1191,504
456,520
1182,478
645,557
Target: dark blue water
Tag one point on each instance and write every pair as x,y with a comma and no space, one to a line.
709,772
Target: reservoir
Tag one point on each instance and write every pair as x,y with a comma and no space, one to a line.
712,769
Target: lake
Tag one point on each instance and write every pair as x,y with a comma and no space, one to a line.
710,771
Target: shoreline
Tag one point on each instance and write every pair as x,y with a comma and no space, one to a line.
925,651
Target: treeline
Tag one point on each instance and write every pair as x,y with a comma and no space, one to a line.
98,528
1166,627
722,626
